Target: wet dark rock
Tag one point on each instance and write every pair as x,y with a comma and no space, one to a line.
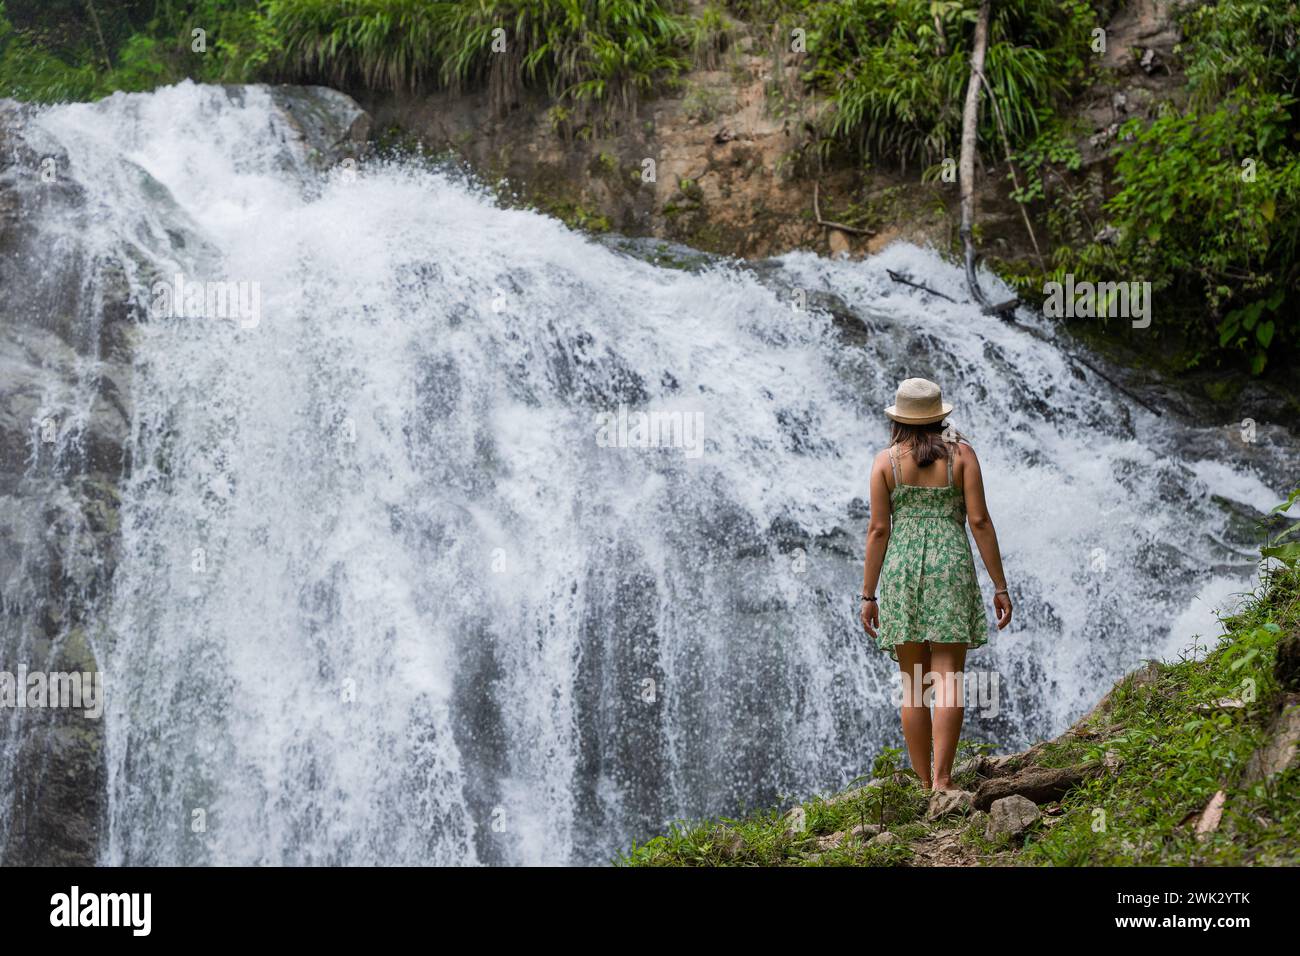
331,124
68,319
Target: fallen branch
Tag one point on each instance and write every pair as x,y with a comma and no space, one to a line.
1002,308
835,225
1084,362
917,285
1039,784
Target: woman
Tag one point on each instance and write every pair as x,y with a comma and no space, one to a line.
924,487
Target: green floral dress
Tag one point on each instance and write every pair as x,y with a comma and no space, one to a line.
928,590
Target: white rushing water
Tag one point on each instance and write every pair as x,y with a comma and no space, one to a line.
384,596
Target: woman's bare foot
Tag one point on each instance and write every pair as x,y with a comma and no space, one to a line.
943,785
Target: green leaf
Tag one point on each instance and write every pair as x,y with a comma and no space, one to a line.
1245,659
1288,553
1286,505
1250,315
1228,327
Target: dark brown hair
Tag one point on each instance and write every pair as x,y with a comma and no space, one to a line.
926,441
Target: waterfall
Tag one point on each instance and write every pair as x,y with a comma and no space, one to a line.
395,585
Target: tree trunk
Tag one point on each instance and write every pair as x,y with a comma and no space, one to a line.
94,19
966,168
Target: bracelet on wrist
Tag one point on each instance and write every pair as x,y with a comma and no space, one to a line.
867,597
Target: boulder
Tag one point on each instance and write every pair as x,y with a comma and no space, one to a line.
1280,750
1011,816
947,802
330,124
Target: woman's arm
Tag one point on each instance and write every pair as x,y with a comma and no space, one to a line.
981,528
877,540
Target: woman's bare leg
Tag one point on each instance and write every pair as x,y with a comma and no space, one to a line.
947,660
914,663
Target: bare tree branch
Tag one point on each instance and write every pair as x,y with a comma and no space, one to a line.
835,225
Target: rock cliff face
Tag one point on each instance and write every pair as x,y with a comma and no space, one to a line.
67,315
713,164
735,155
64,422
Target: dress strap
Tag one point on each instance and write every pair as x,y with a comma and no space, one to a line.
949,457
893,463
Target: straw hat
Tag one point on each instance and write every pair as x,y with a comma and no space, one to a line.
918,402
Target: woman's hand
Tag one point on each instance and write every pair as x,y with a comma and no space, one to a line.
1002,604
870,617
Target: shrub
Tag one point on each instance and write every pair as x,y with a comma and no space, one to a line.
55,51
1208,200
896,70
579,49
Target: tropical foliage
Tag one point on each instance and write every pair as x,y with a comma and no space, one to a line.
579,49
1206,199
896,70
60,50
